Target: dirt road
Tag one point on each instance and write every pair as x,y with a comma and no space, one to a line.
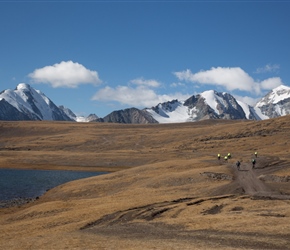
248,177
156,221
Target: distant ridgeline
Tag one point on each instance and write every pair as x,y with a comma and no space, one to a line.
26,103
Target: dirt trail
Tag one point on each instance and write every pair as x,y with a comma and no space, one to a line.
157,221
248,177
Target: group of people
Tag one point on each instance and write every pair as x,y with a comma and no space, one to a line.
228,156
238,163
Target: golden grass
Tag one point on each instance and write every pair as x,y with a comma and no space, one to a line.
155,197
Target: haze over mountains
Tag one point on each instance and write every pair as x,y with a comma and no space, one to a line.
26,103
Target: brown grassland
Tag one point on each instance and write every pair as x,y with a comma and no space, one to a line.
166,188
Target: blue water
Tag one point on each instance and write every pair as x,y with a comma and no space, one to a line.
15,183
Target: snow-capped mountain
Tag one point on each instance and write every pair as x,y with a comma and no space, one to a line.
26,103
207,105
276,103
89,118
76,118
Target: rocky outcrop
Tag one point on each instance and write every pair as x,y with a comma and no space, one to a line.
131,115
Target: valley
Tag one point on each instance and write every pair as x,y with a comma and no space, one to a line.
166,188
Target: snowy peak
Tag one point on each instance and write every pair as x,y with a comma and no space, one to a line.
207,105
23,87
165,109
26,103
76,118
169,112
276,103
221,105
219,102
68,112
212,99
275,96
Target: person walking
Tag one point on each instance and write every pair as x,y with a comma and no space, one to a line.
229,156
256,154
253,163
238,165
219,156
226,158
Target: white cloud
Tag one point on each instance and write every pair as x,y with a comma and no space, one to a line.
143,82
268,68
65,74
141,96
229,78
271,83
177,84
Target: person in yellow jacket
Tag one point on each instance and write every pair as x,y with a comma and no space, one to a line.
226,158
219,156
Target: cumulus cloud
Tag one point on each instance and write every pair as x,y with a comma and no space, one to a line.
142,82
141,96
229,78
65,74
268,68
271,83
177,84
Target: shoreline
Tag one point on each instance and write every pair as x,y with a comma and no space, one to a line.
20,201
16,202
63,168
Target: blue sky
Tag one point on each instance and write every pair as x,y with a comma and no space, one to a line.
100,56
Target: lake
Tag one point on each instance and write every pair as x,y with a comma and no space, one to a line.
15,183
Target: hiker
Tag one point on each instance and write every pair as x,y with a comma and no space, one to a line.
226,158
238,165
229,156
253,162
219,156
256,154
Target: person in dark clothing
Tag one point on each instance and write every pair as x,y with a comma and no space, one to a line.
253,162
238,165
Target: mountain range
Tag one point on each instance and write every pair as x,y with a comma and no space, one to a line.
26,103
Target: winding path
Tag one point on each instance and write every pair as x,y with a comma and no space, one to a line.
248,178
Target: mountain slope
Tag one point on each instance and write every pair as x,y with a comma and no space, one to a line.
207,105
9,112
26,103
72,115
216,105
131,115
276,103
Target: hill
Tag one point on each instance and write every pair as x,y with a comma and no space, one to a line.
166,189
